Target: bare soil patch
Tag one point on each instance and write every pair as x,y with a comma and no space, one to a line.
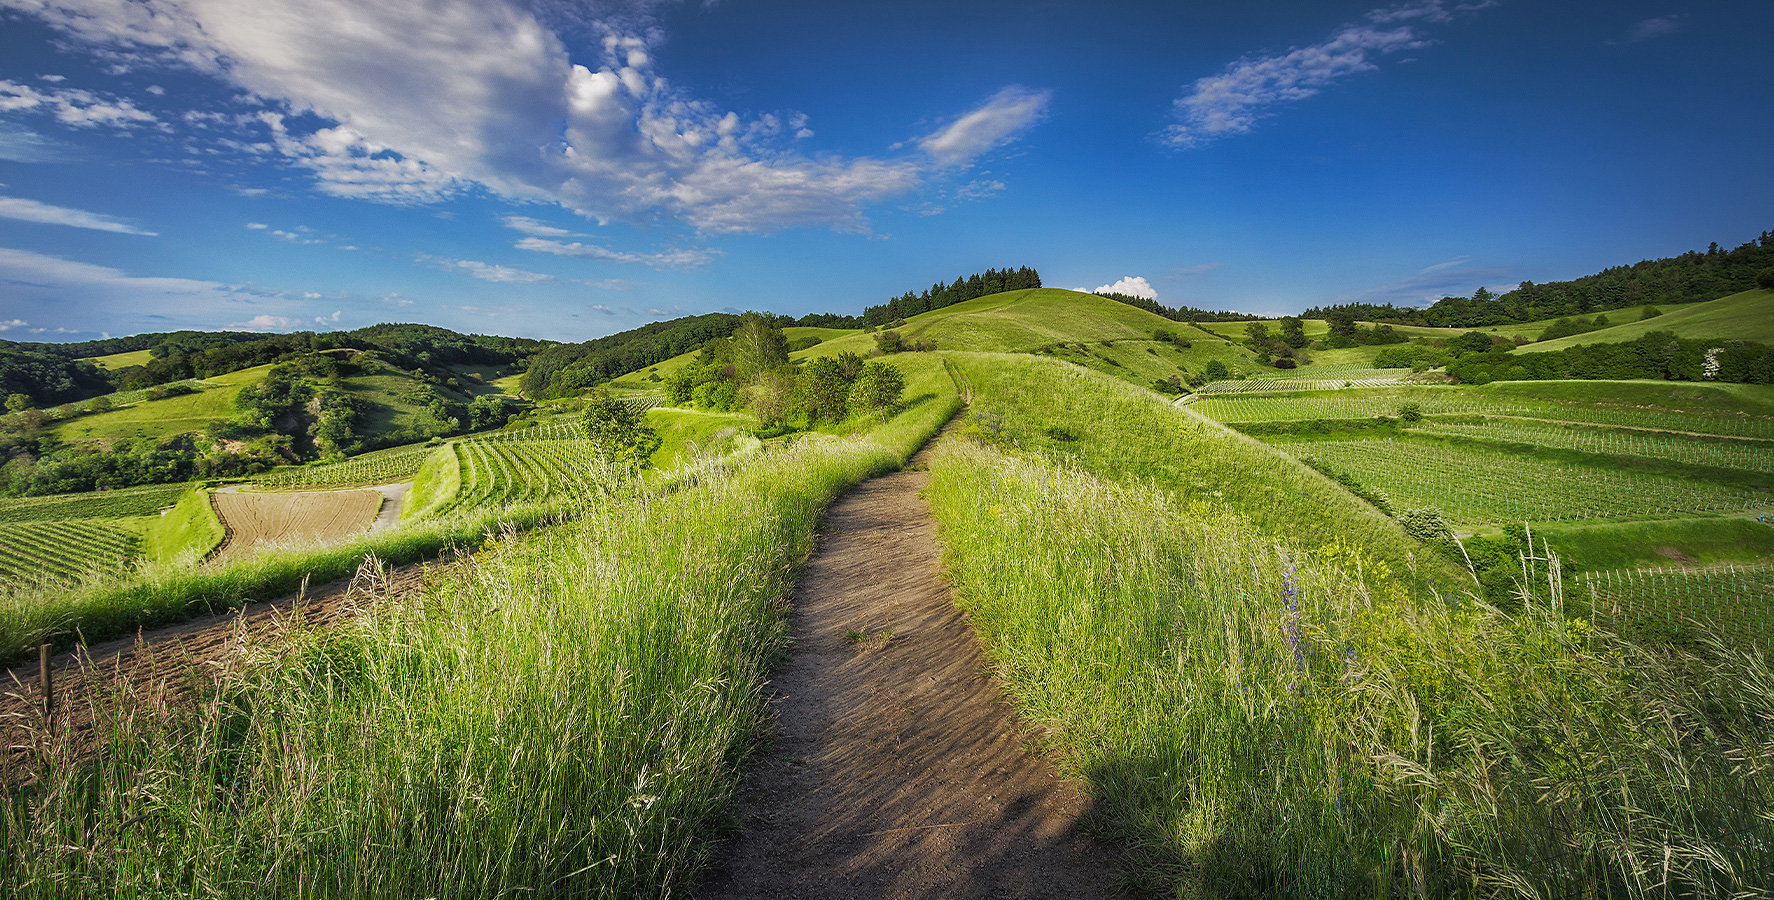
897,769
258,521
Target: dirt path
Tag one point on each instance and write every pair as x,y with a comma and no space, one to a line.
157,665
897,769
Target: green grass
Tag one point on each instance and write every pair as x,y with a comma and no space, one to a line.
1734,410
1748,316
121,360
157,420
1126,433
688,434
1600,546
186,534
1274,714
564,716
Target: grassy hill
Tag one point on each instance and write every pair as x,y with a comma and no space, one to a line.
1748,316
120,360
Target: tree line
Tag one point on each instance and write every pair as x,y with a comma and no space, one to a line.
1188,314
1689,278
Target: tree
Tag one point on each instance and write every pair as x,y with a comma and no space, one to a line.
99,405
824,390
1765,278
17,403
1216,370
889,342
618,434
758,346
1293,332
772,395
879,387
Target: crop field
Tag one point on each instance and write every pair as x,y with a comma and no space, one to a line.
1737,602
1473,486
258,521
119,504
381,467
1447,400
520,466
1750,455
33,551
1309,378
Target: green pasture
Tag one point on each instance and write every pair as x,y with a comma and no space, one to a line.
122,360
1748,316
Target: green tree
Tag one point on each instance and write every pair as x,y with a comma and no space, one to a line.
1293,332
758,346
618,434
824,390
17,403
99,405
1765,278
1216,370
879,388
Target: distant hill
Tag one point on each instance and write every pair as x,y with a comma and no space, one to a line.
1747,316
1692,277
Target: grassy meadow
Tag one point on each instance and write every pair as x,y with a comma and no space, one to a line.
1272,711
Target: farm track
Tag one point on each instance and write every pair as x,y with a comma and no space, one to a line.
897,768
156,669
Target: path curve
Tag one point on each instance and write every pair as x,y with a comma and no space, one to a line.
897,769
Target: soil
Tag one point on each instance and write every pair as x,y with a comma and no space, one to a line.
896,768
153,668
308,518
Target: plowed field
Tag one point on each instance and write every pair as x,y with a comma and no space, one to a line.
260,521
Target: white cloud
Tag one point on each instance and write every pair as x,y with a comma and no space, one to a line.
71,106
37,285
27,146
1233,101
266,322
534,228
326,320
28,267
10,324
1132,286
256,226
423,99
1007,114
502,274
33,211
669,259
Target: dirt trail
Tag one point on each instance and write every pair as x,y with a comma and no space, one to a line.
897,769
158,665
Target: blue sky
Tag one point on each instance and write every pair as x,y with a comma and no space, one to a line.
568,170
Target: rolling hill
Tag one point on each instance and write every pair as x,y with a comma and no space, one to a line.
1747,316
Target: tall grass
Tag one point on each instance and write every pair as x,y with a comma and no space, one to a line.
562,716
1265,715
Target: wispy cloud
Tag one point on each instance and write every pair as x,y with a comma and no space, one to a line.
1233,101
1452,278
71,106
33,211
1651,29
23,145
535,228
667,259
1000,119
496,273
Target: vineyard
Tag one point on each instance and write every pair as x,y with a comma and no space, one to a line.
1473,486
532,464
1754,456
1327,378
119,504
381,467
1737,600
1457,401
33,551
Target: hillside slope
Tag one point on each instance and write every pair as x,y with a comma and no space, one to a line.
1747,316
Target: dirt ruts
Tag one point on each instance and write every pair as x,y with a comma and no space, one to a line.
896,768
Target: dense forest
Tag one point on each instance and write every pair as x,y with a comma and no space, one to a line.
1689,278
51,374
939,295
570,369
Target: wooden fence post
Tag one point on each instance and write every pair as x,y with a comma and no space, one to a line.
46,680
